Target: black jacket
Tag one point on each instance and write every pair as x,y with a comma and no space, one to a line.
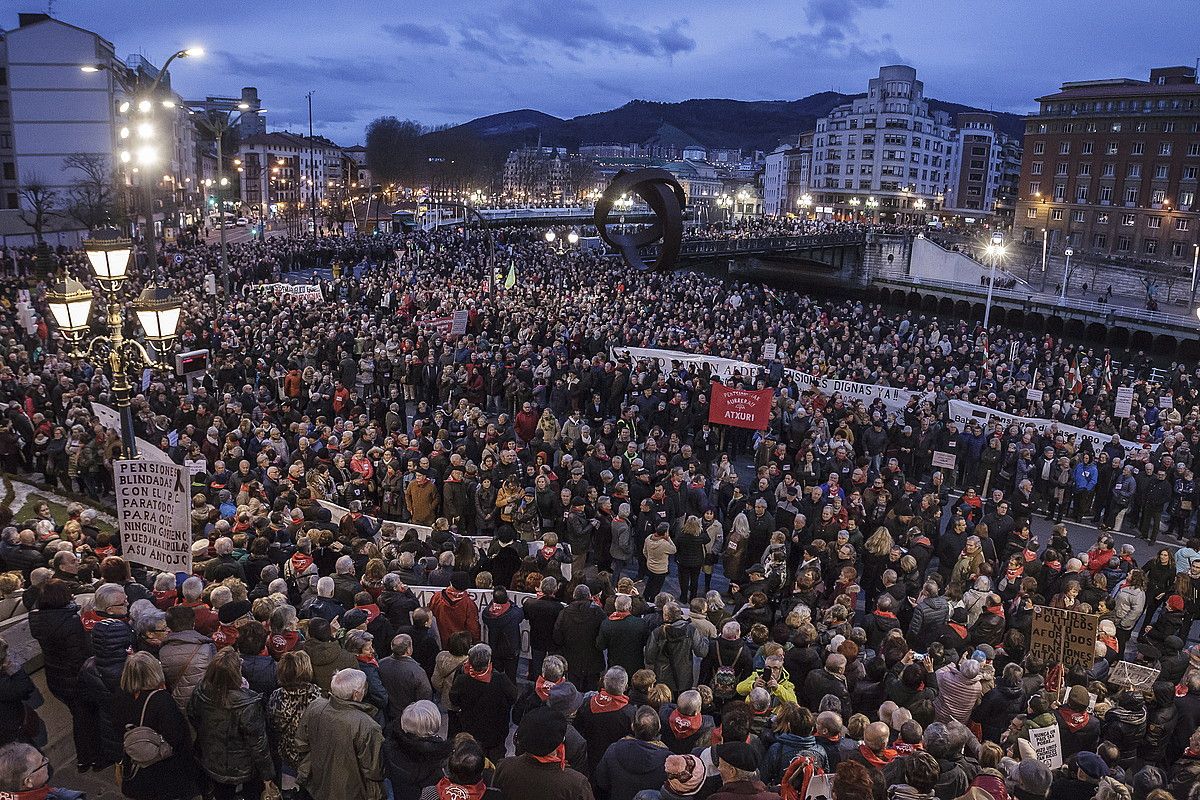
625,642
997,709
575,633
398,607
173,777
821,682
231,736
414,762
1125,726
541,613
602,728
490,704
65,646
1162,717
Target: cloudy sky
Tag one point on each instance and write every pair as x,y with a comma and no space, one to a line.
454,60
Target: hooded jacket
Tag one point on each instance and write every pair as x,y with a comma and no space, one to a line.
1078,730
1125,726
327,658
997,710
1162,716
503,625
629,766
669,653
231,736
414,762
454,611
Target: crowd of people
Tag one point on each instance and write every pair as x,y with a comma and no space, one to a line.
615,598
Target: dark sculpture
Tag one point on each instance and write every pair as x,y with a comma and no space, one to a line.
664,195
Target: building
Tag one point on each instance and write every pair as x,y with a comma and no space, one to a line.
786,188
978,157
883,155
538,174
1111,168
284,172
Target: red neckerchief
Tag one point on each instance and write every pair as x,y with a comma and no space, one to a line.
90,619
602,701
884,614
1110,642
906,749
1055,565
556,756
448,790
372,661
997,610
498,609
547,551
542,687
225,636
301,562
40,793
372,611
483,677
454,595
165,599
280,643
618,615
961,630
716,736
104,551
878,760
1074,720
1013,575
684,726
1030,555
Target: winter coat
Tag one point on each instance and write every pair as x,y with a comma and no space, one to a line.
526,777
1161,719
744,790
231,736
327,658
185,655
454,612
285,708
877,626
957,696
1126,728
625,642
542,613
821,682
341,751
504,631
1078,730
172,778
65,646
405,681
786,747
669,652
575,632
928,619
602,727
414,762
1130,603
629,766
997,710
490,704
691,551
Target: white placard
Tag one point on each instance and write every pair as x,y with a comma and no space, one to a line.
820,787
111,419
1033,395
944,460
152,514
1047,745
770,349
458,324
1124,404
304,291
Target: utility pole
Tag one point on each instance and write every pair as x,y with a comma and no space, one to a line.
312,170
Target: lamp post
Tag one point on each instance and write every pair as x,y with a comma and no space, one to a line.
1062,294
146,153
156,309
1195,264
994,250
217,126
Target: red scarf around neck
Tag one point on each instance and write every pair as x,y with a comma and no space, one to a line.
618,615
448,790
548,551
542,687
556,756
878,760
1073,720
684,726
961,630
498,609
602,702
484,676
884,614
371,660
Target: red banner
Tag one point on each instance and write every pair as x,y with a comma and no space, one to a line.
739,407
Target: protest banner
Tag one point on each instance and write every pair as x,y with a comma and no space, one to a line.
109,418
740,408
1047,745
302,291
152,513
1133,676
944,460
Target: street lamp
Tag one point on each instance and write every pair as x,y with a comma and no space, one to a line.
805,203
1062,294
572,238
995,251
156,309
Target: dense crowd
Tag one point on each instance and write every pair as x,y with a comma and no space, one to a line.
668,608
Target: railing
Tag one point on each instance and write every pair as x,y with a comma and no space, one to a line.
1101,309
769,244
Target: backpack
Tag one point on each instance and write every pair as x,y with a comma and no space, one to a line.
797,776
724,682
144,745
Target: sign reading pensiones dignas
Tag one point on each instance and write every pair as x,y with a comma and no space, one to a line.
152,513
1058,636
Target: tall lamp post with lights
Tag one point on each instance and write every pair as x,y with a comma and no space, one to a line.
144,152
995,251
156,309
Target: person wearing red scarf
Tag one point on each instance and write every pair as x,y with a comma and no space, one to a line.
489,694
541,770
874,753
683,725
606,716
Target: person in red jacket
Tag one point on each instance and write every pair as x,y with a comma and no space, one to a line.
455,609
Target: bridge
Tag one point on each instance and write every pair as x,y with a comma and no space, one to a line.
451,214
831,249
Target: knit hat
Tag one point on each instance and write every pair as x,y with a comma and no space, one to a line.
1033,777
353,618
1175,603
232,610
460,581
737,754
1078,698
541,731
1092,765
564,698
685,774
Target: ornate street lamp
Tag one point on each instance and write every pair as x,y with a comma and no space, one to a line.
70,304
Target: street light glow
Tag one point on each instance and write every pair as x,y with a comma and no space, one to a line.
243,106
144,106
124,107
145,130
193,52
89,68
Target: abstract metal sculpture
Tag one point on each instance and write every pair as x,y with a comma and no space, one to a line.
664,195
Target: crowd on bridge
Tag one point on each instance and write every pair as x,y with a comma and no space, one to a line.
554,577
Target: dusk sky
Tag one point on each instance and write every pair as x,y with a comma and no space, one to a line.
451,61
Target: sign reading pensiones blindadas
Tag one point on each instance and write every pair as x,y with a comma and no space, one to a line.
152,513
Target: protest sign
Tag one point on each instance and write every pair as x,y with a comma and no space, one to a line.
302,291
740,408
1058,636
1047,745
1124,404
1133,676
944,460
109,418
458,324
152,514
770,349
820,787
1034,395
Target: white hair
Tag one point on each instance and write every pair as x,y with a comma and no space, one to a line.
220,596
325,587
348,682
193,587
224,546
731,629
108,595
421,718
344,565
623,602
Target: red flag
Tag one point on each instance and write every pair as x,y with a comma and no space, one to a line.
740,408
1073,379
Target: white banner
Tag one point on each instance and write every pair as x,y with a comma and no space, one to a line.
111,419
483,599
963,412
152,514
304,291
1047,745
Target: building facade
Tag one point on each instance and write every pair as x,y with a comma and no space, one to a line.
1111,168
284,172
785,185
538,174
883,155
976,165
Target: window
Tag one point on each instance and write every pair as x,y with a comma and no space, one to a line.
1078,216
1106,194
1110,170
1112,148
1085,169
1131,195
1194,149
1035,168
1160,171
1158,196
1031,213
1189,173
1087,148
1178,249
1102,219
1135,171
1060,192
1150,245
1139,127
1116,127
1061,168
1164,148
1138,149
1154,222
1129,220
1186,199
1064,148
1168,127
1099,241
10,171
1081,194
1181,224
1056,215
1035,187
12,200
5,141
1039,148
1123,244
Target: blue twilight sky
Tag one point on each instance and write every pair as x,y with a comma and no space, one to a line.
452,60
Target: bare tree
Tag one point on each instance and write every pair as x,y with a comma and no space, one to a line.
39,203
92,197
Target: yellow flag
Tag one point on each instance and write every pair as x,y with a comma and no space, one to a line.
511,280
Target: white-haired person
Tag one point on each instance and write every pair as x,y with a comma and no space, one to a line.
340,744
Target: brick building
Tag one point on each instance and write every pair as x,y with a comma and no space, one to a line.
1111,167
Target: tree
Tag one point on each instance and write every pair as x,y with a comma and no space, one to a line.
39,203
393,150
92,197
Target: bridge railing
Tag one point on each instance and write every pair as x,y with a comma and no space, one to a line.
767,244
1090,306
